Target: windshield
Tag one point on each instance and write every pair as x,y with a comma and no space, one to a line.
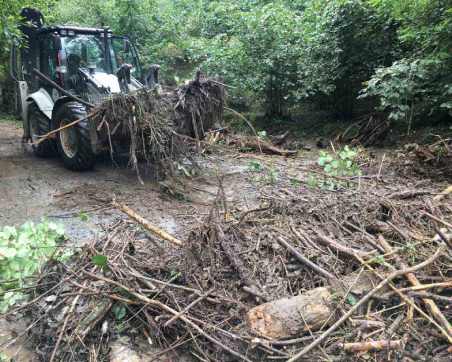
83,51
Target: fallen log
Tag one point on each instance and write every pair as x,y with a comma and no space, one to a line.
371,346
255,143
291,316
309,311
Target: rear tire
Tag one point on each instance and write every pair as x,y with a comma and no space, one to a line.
74,143
39,126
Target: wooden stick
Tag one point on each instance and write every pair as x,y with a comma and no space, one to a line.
339,247
62,90
371,346
419,287
146,224
63,328
429,303
305,260
436,297
363,300
395,325
443,194
433,217
367,324
47,135
248,123
187,308
446,238
164,307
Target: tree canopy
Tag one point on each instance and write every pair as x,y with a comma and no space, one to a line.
392,56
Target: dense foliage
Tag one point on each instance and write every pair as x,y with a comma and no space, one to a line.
22,252
344,56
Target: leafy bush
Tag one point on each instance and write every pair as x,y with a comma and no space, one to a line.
418,86
22,253
340,164
336,166
410,88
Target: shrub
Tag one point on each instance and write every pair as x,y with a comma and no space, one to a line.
22,252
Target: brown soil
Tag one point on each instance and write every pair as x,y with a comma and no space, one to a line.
236,248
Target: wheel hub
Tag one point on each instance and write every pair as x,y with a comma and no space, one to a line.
34,131
68,140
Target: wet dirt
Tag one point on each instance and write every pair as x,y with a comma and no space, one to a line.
34,188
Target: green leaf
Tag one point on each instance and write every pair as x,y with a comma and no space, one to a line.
351,299
99,260
119,310
83,216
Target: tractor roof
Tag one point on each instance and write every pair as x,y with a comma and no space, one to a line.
62,29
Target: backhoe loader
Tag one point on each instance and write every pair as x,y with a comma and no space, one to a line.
61,73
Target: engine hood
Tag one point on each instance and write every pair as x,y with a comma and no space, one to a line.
108,81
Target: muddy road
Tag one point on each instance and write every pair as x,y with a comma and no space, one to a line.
33,188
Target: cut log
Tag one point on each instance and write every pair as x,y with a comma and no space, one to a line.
291,316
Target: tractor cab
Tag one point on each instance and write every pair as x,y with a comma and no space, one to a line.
63,71
88,62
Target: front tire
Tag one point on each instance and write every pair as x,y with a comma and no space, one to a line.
39,126
74,143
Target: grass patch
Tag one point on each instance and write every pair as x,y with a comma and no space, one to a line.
8,118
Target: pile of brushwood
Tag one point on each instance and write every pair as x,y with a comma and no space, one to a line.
368,131
433,159
362,271
158,125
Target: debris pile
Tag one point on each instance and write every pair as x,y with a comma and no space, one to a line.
433,159
361,270
367,132
156,125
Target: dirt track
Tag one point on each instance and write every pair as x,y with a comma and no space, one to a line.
32,188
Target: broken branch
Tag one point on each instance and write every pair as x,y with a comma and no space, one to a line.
147,225
363,300
371,346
